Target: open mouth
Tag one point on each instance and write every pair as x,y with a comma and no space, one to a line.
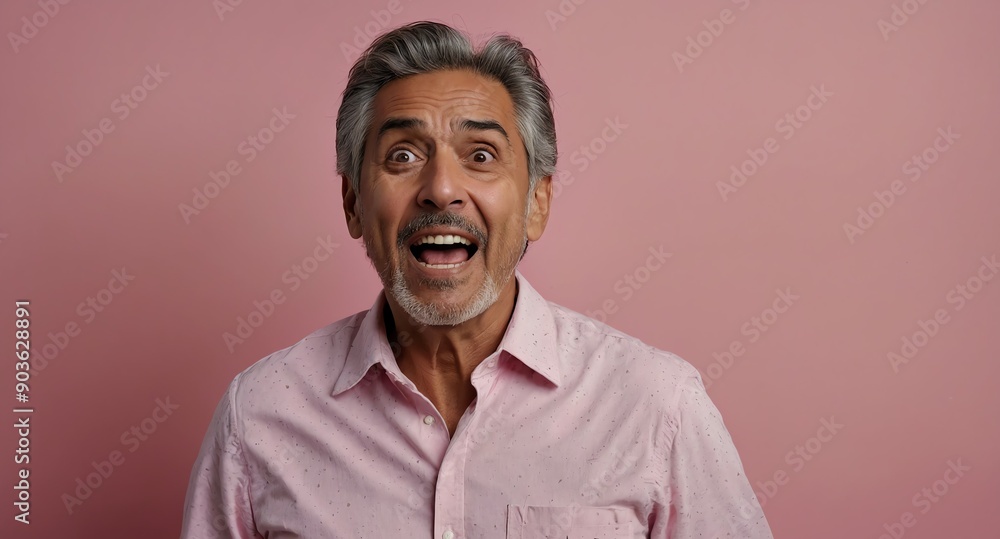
443,251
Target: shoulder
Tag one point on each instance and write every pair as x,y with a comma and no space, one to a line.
590,347
315,360
646,388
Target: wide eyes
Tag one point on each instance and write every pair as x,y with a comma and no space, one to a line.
402,156
482,156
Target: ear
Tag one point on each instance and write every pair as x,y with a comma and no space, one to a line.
538,216
350,208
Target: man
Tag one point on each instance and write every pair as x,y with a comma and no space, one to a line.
462,404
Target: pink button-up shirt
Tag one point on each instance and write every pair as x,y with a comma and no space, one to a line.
577,430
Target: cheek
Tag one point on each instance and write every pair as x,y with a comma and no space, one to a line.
508,233
502,208
506,228
388,206
378,221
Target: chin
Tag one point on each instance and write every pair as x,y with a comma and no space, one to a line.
438,313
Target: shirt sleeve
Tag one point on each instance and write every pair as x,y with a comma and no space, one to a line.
708,491
218,496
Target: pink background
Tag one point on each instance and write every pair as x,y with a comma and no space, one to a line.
655,184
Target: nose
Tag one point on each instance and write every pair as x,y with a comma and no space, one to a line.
442,184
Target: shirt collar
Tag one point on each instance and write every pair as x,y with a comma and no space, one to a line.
530,337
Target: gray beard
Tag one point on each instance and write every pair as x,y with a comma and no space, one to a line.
430,314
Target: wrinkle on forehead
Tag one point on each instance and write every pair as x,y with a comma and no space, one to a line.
438,96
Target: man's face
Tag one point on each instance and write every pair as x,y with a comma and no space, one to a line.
444,158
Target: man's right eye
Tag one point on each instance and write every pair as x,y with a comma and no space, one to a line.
396,156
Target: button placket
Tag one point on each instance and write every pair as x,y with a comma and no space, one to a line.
449,500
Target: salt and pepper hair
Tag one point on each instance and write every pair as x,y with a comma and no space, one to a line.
424,47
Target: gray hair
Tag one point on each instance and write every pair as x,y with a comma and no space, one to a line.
425,46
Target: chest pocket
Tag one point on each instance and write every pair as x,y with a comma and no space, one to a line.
573,522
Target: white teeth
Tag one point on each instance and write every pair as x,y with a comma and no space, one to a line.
448,239
440,266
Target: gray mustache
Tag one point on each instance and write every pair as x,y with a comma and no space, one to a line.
427,220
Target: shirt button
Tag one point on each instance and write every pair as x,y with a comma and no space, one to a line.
491,363
448,534
428,420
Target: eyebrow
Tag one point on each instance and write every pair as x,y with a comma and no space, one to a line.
483,125
460,124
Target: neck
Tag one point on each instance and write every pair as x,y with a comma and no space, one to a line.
448,353
439,360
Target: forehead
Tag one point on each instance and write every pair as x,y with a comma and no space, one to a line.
440,96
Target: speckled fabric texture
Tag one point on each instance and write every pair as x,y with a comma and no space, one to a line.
577,430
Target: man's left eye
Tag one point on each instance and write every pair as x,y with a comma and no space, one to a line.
394,155
482,156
